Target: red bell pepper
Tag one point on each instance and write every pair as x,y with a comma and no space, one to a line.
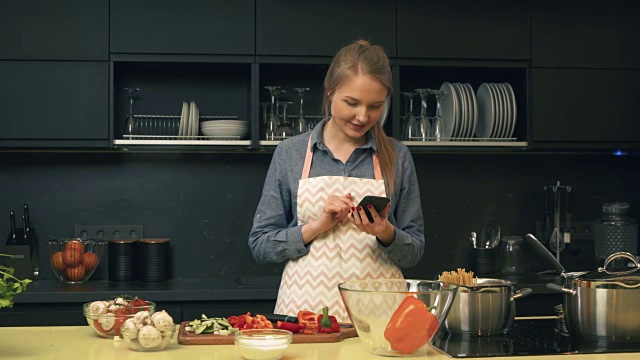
308,320
327,324
294,328
411,326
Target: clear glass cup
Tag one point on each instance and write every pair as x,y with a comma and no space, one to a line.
410,126
511,256
435,130
284,129
270,129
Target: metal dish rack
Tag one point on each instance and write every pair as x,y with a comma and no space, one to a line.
164,129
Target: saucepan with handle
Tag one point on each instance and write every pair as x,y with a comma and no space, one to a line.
599,305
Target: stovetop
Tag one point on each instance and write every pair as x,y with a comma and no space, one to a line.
526,337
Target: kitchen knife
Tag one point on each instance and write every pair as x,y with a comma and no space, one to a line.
12,216
26,217
24,228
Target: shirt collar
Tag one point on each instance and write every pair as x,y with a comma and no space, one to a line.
318,142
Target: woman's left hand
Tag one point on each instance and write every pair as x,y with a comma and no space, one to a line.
380,227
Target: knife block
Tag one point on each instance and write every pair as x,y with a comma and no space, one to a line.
23,254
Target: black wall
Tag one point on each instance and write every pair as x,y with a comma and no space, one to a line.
205,202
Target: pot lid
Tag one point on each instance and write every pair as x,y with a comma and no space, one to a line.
616,277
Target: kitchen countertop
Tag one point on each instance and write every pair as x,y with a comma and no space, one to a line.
79,342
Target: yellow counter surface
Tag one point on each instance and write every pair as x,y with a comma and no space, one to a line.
79,342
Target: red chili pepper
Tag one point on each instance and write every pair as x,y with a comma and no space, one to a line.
411,326
294,328
327,324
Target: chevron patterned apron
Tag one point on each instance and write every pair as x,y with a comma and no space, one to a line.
340,254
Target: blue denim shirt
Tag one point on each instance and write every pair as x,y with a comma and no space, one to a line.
276,235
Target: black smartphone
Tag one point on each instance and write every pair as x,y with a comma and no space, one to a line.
378,202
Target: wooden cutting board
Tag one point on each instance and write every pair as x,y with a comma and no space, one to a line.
191,338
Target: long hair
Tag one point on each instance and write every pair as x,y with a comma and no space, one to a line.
361,57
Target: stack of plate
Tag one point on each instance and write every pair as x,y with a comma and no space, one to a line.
497,111
189,120
225,129
459,111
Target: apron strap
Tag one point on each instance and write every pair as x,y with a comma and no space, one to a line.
309,157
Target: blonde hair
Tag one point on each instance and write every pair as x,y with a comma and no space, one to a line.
361,57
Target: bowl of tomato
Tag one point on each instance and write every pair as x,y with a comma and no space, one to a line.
106,317
75,260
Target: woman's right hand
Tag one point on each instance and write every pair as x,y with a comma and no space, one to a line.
335,210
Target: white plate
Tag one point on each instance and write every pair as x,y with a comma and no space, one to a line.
184,116
192,112
196,118
473,103
507,107
514,109
448,109
462,112
497,105
464,106
486,111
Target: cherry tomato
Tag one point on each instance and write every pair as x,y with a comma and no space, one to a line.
57,260
136,305
75,273
99,328
89,261
121,317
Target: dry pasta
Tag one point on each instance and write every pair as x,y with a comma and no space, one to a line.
459,277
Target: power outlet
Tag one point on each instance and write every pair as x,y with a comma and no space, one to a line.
109,232
580,231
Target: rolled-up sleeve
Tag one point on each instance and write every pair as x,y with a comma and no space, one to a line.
275,237
408,247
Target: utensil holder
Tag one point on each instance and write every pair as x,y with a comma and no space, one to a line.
23,254
484,261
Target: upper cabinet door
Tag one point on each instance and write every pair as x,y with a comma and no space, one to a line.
223,27
585,34
54,30
464,29
584,107
54,100
321,28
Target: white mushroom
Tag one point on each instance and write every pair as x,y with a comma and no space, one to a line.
130,328
120,302
98,308
149,337
162,321
107,321
142,318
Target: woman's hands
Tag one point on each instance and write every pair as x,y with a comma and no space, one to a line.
335,210
340,208
380,227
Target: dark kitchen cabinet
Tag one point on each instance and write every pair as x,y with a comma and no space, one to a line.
54,30
585,34
183,27
464,29
320,28
575,108
54,100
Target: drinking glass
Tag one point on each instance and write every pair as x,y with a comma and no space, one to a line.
270,131
300,125
436,121
130,122
265,116
423,130
284,129
409,132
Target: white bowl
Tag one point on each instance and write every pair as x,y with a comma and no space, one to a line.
262,344
224,122
225,132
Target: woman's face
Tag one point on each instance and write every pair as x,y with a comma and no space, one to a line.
357,105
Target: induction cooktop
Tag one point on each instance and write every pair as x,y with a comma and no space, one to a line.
527,336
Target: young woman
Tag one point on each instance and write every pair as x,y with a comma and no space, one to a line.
308,215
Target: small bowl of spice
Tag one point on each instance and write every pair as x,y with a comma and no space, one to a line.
262,344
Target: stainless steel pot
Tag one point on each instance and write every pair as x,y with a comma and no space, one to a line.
486,309
599,305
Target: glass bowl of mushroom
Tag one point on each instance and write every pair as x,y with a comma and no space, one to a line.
148,332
